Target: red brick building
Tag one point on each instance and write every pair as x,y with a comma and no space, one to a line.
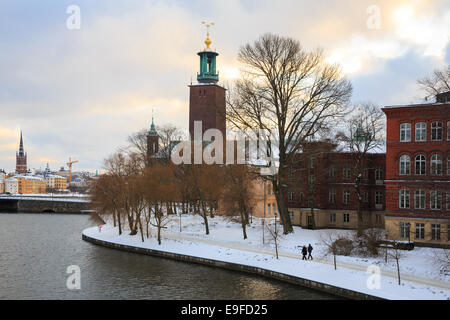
418,171
327,178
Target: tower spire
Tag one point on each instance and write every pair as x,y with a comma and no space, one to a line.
21,144
208,72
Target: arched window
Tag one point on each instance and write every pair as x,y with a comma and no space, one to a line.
421,131
436,130
436,164
405,165
405,132
420,165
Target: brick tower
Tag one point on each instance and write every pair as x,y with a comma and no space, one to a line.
207,98
21,158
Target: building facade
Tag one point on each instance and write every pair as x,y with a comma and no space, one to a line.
12,186
321,189
418,172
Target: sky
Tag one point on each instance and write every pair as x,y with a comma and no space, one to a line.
79,92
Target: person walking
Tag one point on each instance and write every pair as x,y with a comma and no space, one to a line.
304,252
310,249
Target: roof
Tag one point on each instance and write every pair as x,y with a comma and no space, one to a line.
413,105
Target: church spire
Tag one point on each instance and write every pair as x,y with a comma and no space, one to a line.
152,131
21,151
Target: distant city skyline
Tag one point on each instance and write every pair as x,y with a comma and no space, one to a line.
80,93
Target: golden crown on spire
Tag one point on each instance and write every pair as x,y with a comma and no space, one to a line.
208,40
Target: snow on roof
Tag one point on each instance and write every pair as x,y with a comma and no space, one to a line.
415,105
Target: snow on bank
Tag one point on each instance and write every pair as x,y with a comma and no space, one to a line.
225,244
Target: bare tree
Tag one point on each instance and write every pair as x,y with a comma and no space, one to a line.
438,82
442,259
363,133
397,254
290,93
237,196
275,235
330,241
168,134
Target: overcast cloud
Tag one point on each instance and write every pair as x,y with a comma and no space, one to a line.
80,93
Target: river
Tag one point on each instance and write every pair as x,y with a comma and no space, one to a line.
36,249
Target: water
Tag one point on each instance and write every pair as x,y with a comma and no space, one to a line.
35,251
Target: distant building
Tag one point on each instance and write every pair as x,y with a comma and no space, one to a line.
418,171
2,186
55,182
12,186
2,174
21,158
31,185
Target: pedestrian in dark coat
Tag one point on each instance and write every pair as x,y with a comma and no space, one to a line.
310,249
304,252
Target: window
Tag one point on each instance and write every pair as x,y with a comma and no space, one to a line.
448,165
333,172
269,211
436,130
332,196
366,197
346,198
332,217
291,215
436,164
435,200
405,165
378,198
290,196
419,199
346,173
448,130
420,165
435,232
447,200
405,132
404,199
420,231
378,174
421,131
448,232
311,162
346,217
274,208
404,230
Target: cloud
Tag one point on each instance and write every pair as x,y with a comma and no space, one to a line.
81,93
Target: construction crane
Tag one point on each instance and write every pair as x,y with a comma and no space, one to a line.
69,164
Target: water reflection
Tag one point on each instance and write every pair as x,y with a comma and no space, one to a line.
35,251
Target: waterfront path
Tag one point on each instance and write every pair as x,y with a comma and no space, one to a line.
340,264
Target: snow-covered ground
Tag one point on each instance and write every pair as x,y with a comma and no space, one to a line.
421,278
